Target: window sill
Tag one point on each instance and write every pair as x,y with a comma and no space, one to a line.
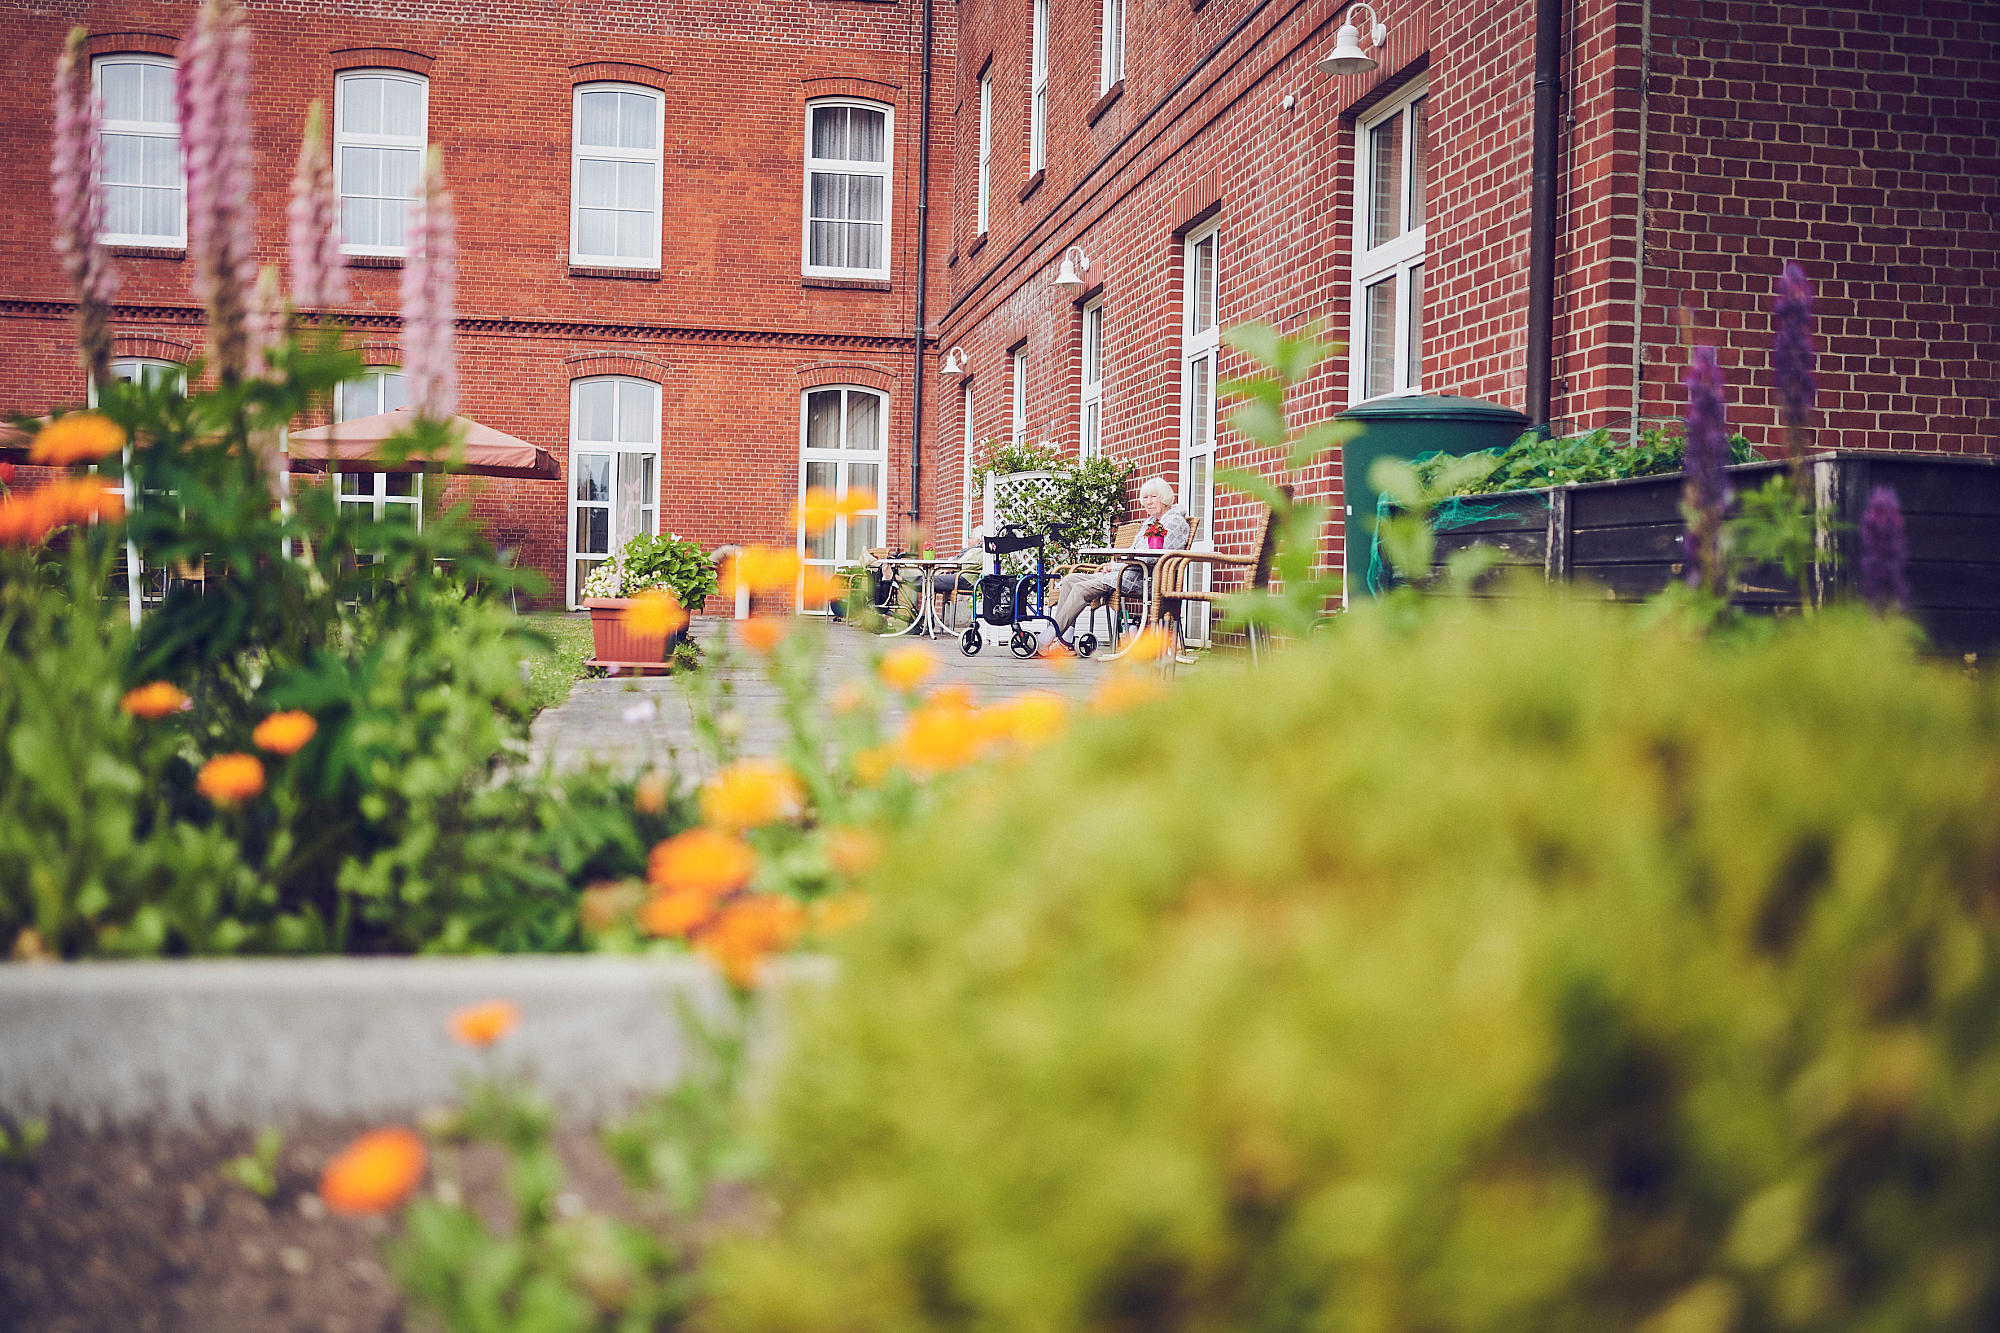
374,261
976,246
1034,184
629,274
146,251
846,284
1111,95
951,261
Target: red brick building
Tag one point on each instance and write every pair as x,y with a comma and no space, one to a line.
1212,174
1190,150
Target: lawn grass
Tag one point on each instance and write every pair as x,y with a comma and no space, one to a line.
552,671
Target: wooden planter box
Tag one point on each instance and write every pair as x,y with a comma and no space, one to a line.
1624,537
618,649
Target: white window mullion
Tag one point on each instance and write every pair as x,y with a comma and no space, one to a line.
848,157
614,471
985,145
1111,65
1090,423
971,443
145,196
1388,268
1018,428
381,130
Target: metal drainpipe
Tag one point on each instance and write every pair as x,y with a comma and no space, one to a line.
923,269
1542,211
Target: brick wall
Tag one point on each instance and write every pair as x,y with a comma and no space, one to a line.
728,326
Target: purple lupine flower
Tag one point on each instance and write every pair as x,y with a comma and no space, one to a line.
430,280
212,91
77,191
1792,346
319,279
1705,492
1885,553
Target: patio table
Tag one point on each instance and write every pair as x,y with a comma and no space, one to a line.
924,617
1148,562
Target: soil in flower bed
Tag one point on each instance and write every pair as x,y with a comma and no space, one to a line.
132,1230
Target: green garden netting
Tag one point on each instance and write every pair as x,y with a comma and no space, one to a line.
1449,514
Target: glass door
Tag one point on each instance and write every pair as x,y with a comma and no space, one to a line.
614,462
843,449
1200,343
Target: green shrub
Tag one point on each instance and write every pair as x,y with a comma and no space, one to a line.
651,560
1535,461
1537,974
1078,509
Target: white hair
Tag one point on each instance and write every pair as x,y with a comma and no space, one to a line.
1159,486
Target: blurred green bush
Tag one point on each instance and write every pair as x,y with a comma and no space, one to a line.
1547,974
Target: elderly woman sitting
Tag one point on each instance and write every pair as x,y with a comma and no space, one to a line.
1166,529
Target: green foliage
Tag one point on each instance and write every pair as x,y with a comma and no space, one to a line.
257,1170
19,1146
1534,461
1489,971
1086,497
662,560
555,656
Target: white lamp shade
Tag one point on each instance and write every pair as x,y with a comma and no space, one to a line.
1347,57
1067,275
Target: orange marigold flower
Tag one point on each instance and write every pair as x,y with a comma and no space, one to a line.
654,614
607,904
815,511
230,778
1123,690
1150,645
285,733
761,634
1028,719
938,739
748,930
1057,654
768,568
906,668
852,851
704,860
855,503
832,915
483,1024
676,914
650,796
155,701
751,793
873,764
78,437
818,587
375,1173
847,696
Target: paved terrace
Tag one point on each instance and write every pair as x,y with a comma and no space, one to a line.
635,723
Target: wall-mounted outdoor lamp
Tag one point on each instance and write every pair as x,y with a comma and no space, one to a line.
1348,57
954,362
1071,274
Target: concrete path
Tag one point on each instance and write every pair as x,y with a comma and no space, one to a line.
633,724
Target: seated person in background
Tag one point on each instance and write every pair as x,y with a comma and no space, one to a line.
1166,529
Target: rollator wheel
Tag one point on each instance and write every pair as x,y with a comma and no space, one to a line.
1022,644
1086,644
971,643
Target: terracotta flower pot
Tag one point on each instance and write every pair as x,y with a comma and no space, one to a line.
617,646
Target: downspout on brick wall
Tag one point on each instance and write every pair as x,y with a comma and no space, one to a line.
1542,211
1639,207
923,268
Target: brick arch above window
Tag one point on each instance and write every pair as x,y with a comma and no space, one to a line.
618,71
151,347
587,365
380,354
822,373
871,90
382,57
129,43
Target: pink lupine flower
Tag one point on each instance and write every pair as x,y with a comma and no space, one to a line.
212,92
77,190
430,277
319,279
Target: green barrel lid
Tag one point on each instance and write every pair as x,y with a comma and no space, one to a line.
1434,407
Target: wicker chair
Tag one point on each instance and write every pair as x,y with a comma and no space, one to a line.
1171,590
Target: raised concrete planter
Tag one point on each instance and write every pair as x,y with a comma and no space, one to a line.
272,1041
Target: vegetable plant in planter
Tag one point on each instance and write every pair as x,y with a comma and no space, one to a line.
639,600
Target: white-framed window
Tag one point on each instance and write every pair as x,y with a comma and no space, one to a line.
614,466
1017,430
145,195
392,497
843,448
1112,48
1387,343
1038,90
150,585
1201,328
379,389
1090,423
848,151
972,505
614,184
381,127
985,145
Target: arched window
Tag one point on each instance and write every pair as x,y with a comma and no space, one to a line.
615,175
844,448
145,202
381,127
847,188
614,467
